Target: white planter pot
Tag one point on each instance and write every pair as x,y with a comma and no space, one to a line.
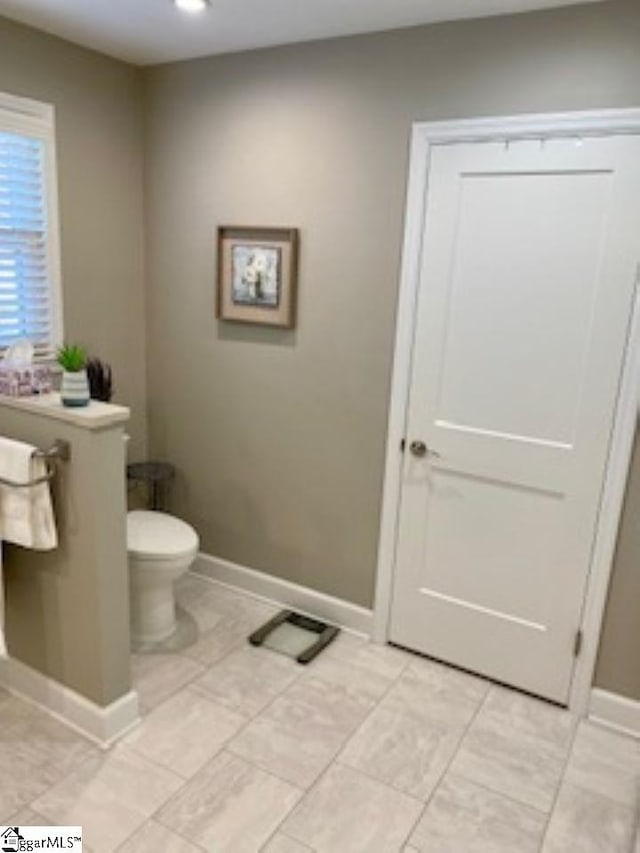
74,390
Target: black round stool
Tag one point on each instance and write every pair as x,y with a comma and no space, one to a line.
157,477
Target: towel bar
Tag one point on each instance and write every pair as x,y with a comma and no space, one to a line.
59,450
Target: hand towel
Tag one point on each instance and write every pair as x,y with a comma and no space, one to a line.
3,645
26,515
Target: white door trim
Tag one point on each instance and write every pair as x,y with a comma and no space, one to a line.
424,135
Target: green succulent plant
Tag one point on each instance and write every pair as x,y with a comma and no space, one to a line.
72,358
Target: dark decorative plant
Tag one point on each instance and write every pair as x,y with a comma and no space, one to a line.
100,380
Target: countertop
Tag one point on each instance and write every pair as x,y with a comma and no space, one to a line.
96,415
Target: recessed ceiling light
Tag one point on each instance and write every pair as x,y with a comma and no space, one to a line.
192,5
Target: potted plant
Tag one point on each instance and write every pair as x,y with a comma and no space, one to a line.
74,390
100,380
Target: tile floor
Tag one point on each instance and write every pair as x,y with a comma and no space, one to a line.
367,749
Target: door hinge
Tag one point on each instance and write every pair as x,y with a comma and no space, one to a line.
403,444
577,644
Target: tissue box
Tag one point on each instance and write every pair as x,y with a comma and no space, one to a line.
25,381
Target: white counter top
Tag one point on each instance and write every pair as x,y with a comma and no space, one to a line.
94,416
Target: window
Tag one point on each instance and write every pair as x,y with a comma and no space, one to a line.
30,300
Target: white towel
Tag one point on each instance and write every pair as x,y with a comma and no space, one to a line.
3,645
26,515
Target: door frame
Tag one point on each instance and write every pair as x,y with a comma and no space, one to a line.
576,125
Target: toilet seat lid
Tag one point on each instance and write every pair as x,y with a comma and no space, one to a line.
157,534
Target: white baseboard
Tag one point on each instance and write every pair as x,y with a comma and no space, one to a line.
103,725
352,617
615,712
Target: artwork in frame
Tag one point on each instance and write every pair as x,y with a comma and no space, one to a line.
257,275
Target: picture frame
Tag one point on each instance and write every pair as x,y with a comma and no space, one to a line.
257,275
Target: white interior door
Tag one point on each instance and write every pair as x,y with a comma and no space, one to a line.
529,262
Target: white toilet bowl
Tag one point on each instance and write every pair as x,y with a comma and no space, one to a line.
161,549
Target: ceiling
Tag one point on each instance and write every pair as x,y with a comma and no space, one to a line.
146,32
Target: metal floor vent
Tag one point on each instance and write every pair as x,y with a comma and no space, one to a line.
295,635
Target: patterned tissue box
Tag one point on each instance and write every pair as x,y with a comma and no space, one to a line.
25,381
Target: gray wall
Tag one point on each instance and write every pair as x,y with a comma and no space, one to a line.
98,122
618,666
279,436
67,612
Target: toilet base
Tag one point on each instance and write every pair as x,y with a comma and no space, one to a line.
153,611
161,548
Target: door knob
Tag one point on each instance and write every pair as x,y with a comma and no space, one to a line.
419,448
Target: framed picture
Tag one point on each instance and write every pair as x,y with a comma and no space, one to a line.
257,275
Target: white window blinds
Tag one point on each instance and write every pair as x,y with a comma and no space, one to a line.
29,280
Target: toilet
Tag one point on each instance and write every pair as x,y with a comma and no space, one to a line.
161,548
